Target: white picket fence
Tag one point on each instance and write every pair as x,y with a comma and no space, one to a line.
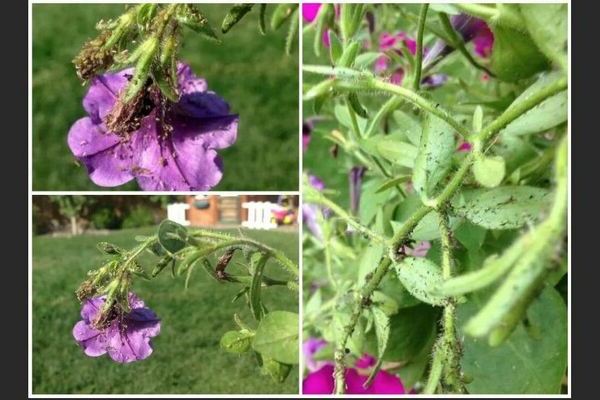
259,215
176,213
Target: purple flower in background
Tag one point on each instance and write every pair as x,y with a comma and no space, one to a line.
470,29
434,80
126,339
321,381
464,147
355,178
306,131
310,212
419,250
310,347
174,151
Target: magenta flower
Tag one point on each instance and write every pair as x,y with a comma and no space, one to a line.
464,147
310,11
419,250
321,381
174,151
310,212
126,339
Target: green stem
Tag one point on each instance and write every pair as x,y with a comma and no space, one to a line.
479,10
406,229
229,240
365,294
419,53
435,374
318,198
420,102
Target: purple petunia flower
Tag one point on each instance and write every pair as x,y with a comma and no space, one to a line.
126,339
470,29
310,11
321,381
176,150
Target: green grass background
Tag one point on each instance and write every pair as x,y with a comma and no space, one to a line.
249,70
186,359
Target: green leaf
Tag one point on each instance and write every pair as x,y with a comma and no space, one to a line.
525,363
489,171
172,236
196,21
349,54
276,370
369,260
548,26
548,114
277,337
235,14
504,207
409,126
390,183
236,341
343,117
281,13
385,303
392,148
411,330
335,47
421,277
356,342
382,330
365,60
478,119
471,236
514,55
434,158
258,261
391,286
370,201
262,24
291,34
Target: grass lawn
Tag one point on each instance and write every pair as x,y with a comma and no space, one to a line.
186,359
249,70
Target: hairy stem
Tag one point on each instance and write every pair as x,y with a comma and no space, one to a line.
419,53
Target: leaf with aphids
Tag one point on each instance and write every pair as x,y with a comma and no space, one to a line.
145,14
109,248
281,13
503,207
172,236
236,341
193,19
291,34
356,106
235,14
166,85
434,159
421,277
162,264
262,24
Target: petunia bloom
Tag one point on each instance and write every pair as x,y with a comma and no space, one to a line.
310,11
309,348
312,212
322,382
174,147
126,339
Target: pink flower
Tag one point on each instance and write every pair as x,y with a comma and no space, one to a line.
310,11
465,147
321,381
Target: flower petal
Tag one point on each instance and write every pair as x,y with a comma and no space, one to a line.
111,167
91,307
201,105
91,340
386,383
188,81
103,92
87,138
319,382
127,346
